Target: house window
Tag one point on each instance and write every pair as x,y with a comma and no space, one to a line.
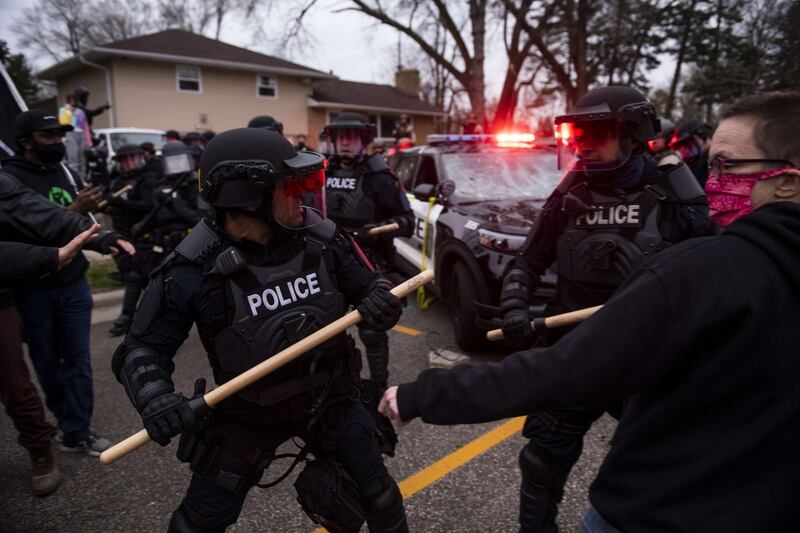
266,86
188,79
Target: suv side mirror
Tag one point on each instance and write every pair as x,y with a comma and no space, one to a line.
423,191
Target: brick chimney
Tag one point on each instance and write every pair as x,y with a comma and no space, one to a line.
407,80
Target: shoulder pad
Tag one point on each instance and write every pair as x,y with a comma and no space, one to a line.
200,243
376,163
321,228
682,183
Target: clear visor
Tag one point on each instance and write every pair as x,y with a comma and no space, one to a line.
592,146
299,203
129,163
177,164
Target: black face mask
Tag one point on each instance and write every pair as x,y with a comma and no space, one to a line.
49,154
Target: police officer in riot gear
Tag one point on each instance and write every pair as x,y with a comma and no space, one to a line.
613,209
659,146
360,193
258,276
692,139
126,211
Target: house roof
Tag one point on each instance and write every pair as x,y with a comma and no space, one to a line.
186,47
368,96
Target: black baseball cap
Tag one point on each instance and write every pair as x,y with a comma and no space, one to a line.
36,120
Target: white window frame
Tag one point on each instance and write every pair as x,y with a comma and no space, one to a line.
199,79
273,86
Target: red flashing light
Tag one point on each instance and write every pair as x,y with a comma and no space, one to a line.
515,140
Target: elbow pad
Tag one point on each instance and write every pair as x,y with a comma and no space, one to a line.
141,373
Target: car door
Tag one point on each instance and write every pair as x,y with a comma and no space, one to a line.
425,215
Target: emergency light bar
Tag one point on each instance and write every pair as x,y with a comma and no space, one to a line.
513,140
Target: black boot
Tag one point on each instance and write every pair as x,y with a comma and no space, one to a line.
180,523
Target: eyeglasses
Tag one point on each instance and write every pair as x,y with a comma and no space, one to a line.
718,165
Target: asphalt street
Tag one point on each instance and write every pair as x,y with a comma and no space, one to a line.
139,492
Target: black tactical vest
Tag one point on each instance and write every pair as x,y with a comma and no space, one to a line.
348,203
606,236
260,310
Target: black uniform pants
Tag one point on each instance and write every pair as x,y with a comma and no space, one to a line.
211,506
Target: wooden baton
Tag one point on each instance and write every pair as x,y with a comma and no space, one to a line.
386,228
213,397
116,194
555,321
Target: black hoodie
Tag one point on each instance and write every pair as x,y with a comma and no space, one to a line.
702,341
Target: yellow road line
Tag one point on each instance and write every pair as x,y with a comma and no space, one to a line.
408,331
456,459
460,457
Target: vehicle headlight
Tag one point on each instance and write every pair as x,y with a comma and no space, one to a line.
500,242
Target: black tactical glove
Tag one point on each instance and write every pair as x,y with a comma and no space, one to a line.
516,326
380,309
364,238
168,415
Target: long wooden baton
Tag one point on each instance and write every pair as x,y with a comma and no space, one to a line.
213,397
115,194
555,321
386,228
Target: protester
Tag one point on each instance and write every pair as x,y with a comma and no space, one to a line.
404,130
700,342
81,95
172,135
301,143
56,310
207,136
23,262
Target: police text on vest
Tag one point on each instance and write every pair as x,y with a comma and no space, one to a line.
341,183
283,293
614,215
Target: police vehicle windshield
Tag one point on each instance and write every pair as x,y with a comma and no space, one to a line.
501,175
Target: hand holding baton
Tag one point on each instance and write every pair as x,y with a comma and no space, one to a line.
275,362
116,194
555,321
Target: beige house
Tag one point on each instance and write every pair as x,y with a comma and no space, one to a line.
178,80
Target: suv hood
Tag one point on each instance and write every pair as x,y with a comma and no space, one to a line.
509,216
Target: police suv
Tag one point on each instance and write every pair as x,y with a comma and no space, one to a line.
474,197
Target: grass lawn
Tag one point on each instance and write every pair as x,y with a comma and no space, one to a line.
98,277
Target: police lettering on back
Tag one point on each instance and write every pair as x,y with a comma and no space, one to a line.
335,182
283,293
618,215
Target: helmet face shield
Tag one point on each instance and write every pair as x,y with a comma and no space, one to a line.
593,145
177,164
130,162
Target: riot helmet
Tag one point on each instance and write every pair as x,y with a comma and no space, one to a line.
176,158
350,134
130,157
81,95
604,128
245,167
690,139
266,121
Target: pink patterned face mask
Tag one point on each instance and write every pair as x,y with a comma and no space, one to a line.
729,194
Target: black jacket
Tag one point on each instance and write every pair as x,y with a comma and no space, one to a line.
23,262
29,217
702,341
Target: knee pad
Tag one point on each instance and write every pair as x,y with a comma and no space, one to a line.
181,523
372,338
535,470
385,512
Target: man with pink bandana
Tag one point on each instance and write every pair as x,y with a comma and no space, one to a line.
700,342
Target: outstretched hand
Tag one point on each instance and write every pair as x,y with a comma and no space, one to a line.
388,406
68,252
